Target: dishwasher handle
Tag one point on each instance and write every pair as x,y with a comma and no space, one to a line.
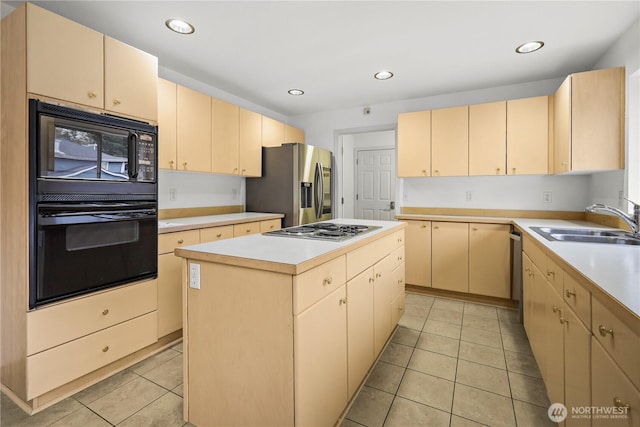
515,235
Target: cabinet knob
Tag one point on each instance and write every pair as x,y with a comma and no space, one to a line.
617,402
343,301
105,311
401,308
170,164
378,275
244,170
105,349
435,227
474,229
399,281
184,165
92,94
400,258
513,171
563,320
497,171
556,309
423,226
570,293
604,330
248,230
116,101
551,273
271,227
181,241
327,281
371,279
219,235
436,172
424,172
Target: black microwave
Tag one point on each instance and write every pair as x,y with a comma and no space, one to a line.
76,151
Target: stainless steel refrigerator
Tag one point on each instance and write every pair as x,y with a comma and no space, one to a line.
296,181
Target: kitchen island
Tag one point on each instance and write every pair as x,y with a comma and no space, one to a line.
282,331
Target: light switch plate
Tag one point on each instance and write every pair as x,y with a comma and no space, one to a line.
194,276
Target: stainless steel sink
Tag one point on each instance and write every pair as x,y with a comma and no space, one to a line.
585,235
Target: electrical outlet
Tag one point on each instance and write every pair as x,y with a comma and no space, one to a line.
469,195
173,194
194,276
546,196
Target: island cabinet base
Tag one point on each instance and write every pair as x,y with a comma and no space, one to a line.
270,348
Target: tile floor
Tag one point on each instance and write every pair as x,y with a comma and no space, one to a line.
449,363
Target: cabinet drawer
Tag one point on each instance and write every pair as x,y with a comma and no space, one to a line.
59,365
245,229
57,324
555,275
398,281
534,251
578,298
270,225
618,339
397,309
216,233
313,285
362,258
169,241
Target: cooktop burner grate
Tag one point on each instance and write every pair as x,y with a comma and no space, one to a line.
323,231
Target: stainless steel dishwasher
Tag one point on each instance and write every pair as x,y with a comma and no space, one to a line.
516,269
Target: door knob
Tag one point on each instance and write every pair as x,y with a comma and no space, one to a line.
392,205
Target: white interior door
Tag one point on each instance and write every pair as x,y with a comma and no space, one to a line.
375,184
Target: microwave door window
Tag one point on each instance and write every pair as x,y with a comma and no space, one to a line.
114,162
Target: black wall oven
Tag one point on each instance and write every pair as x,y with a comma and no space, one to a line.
93,202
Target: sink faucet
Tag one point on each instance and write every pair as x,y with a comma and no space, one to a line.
632,221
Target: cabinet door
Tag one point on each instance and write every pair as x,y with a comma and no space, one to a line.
64,58
272,132
418,253
292,134
382,296
450,256
487,138
225,137
130,80
450,141
360,342
169,294
528,136
577,366
250,163
194,130
489,260
553,358
562,128
414,144
320,361
167,92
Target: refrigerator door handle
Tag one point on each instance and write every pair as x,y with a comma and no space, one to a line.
319,190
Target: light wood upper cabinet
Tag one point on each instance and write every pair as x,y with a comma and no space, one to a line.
589,122
130,80
225,134
418,253
167,131
487,138
64,58
250,155
490,260
414,144
292,134
193,130
272,132
528,136
450,256
450,141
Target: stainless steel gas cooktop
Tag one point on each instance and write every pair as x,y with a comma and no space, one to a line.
323,231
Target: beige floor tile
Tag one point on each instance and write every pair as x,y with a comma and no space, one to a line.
405,336
522,364
397,354
348,423
512,328
178,347
481,322
427,389
12,415
482,354
442,328
528,415
483,407
438,344
528,389
385,377
405,413
479,336
508,315
165,411
516,343
125,401
421,300
167,375
457,421
412,322
370,407
416,310
83,417
448,304
446,316
483,377
179,390
480,310
434,364
105,386
151,362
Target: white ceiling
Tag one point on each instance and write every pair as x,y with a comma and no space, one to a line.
331,49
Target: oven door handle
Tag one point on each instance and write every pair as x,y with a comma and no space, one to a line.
133,156
71,218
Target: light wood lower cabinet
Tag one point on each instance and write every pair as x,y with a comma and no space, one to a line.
489,260
246,229
418,245
359,328
450,256
577,366
211,234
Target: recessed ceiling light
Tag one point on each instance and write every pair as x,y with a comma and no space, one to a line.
529,47
383,75
296,92
179,26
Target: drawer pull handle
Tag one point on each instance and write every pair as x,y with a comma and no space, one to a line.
570,293
185,165
555,309
219,235
378,275
423,226
170,164
342,301
551,273
105,349
371,280
327,281
563,320
497,171
604,330
435,227
92,94
617,402
116,101
424,171
248,230
181,241
105,311
400,240
513,171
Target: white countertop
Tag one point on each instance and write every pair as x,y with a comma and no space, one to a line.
613,268
283,254
189,223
